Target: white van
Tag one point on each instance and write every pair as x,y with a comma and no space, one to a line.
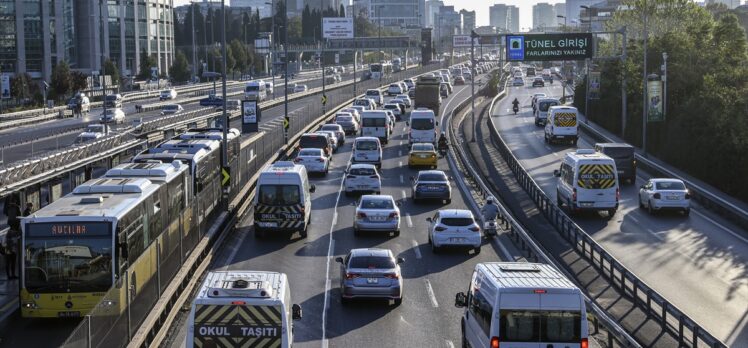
374,123
588,180
561,124
522,305
423,125
375,95
367,150
255,89
541,110
283,200
244,308
269,88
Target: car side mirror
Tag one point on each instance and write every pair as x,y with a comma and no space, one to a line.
296,312
437,123
460,300
339,259
400,260
429,219
557,173
312,188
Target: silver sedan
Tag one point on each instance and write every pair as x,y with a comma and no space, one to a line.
377,213
370,273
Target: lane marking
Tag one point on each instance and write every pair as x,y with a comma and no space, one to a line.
330,248
403,194
416,249
720,225
401,179
549,148
399,153
450,344
432,297
409,220
400,163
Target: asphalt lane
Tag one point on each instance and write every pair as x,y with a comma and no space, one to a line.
426,318
699,263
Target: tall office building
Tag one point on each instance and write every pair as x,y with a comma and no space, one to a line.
432,10
468,21
513,18
448,23
394,15
497,16
543,16
573,8
262,5
315,4
559,9
36,36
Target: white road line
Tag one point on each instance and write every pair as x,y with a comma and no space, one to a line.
416,249
409,221
555,154
432,297
720,225
450,344
330,248
549,148
400,163
402,192
401,179
399,153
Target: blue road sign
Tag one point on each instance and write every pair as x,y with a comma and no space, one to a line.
515,46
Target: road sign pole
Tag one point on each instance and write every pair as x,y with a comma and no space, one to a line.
285,57
225,144
472,80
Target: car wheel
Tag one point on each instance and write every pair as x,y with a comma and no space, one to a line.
464,339
649,208
356,232
435,249
476,250
611,213
397,233
398,301
687,211
641,204
305,232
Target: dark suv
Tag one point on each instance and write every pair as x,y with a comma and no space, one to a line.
623,155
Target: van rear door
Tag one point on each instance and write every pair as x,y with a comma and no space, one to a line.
541,318
596,183
237,325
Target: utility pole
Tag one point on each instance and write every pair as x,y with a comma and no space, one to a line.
355,53
194,47
285,53
102,73
664,83
272,44
473,36
223,88
322,51
381,52
645,112
623,87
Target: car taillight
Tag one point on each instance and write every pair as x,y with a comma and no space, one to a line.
351,275
361,215
688,195
393,215
439,228
634,163
574,195
495,342
584,343
474,229
656,195
618,194
392,276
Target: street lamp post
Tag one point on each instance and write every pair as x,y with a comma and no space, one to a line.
589,16
223,89
645,112
194,47
272,43
285,56
664,83
322,54
101,73
563,69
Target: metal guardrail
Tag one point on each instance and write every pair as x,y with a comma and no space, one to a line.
670,317
524,241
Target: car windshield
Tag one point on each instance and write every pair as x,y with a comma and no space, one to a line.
422,124
374,122
371,262
670,185
279,194
391,106
459,222
432,177
318,141
362,171
68,257
376,203
395,86
170,107
545,105
331,127
310,152
422,147
366,145
618,152
165,92
372,93
111,97
252,88
344,119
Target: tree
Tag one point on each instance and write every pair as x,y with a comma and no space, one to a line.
78,81
61,80
179,69
146,62
111,70
230,60
20,86
239,52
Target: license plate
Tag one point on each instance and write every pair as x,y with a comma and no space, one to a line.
456,240
267,224
378,218
673,198
423,156
586,204
68,314
433,188
362,186
372,280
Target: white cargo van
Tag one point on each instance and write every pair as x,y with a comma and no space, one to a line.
423,125
374,123
243,309
283,201
541,110
587,180
256,89
561,124
522,305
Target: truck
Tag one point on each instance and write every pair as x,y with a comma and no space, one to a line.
427,93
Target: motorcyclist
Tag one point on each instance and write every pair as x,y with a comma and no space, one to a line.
515,104
442,144
489,211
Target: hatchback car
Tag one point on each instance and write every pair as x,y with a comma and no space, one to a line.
538,82
332,138
412,92
168,94
394,89
376,213
518,81
314,160
665,194
347,121
317,141
362,178
422,154
375,95
171,109
454,228
431,184
338,129
459,80
406,100
300,88
367,150
371,273
395,109
409,83
399,103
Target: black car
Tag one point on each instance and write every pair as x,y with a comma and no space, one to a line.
211,101
538,82
623,155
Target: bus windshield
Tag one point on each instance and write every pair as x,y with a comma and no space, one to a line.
68,257
252,88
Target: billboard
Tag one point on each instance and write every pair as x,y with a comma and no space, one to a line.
654,101
543,47
337,28
5,86
594,86
460,41
249,111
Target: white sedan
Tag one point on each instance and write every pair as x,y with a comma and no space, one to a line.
405,99
377,213
362,178
665,194
314,160
455,228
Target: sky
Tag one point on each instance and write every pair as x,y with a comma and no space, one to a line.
479,6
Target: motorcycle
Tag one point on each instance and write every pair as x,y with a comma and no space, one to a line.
516,109
490,228
443,149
